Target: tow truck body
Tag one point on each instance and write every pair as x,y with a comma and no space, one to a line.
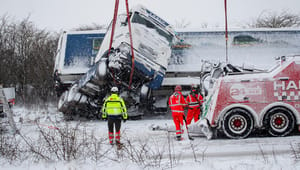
270,100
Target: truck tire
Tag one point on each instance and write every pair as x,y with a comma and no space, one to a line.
279,121
237,124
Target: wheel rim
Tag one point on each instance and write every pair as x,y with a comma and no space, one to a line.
279,122
237,124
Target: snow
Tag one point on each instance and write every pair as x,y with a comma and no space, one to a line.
180,80
211,45
221,30
251,153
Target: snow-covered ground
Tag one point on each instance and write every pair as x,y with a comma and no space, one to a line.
148,149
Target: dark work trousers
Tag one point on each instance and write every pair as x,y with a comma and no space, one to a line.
114,123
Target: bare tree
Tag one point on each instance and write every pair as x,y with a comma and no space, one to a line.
27,59
182,23
204,25
269,19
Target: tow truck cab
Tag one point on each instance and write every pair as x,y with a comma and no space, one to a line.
270,100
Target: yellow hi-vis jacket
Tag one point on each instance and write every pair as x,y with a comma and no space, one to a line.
114,107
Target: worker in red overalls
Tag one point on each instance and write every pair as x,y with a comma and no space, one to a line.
194,101
177,104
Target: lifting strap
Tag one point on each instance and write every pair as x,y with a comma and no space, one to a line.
226,31
130,35
113,25
131,44
112,35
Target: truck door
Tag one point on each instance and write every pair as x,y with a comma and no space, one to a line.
246,91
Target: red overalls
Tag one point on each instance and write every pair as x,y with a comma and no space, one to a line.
194,107
177,104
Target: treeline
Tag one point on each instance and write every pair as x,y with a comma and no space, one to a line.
27,60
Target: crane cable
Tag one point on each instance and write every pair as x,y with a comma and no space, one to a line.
130,35
226,30
131,45
112,35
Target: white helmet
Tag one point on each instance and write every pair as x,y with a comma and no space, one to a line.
114,89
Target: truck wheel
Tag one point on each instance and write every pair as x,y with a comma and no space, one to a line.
279,121
238,124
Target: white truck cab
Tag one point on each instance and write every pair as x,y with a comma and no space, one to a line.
152,40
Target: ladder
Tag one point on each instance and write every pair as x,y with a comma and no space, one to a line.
7,110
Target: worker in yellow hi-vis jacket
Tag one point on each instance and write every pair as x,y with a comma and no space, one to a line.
114,111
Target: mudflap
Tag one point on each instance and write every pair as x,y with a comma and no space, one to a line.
206,128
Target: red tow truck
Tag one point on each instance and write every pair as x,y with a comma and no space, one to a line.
268,100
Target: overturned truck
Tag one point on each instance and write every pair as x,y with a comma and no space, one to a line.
82,82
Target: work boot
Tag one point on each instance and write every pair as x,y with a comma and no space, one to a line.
119,145
178,138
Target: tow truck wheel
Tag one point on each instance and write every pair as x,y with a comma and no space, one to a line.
238,123
279,121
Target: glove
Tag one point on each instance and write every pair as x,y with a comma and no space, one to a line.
105,119
124,120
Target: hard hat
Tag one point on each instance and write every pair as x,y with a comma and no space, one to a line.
178,88
114,89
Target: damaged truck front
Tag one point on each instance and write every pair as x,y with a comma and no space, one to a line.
152,40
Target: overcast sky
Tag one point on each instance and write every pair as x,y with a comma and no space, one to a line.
57,15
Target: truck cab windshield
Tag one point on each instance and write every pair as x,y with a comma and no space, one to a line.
137,18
